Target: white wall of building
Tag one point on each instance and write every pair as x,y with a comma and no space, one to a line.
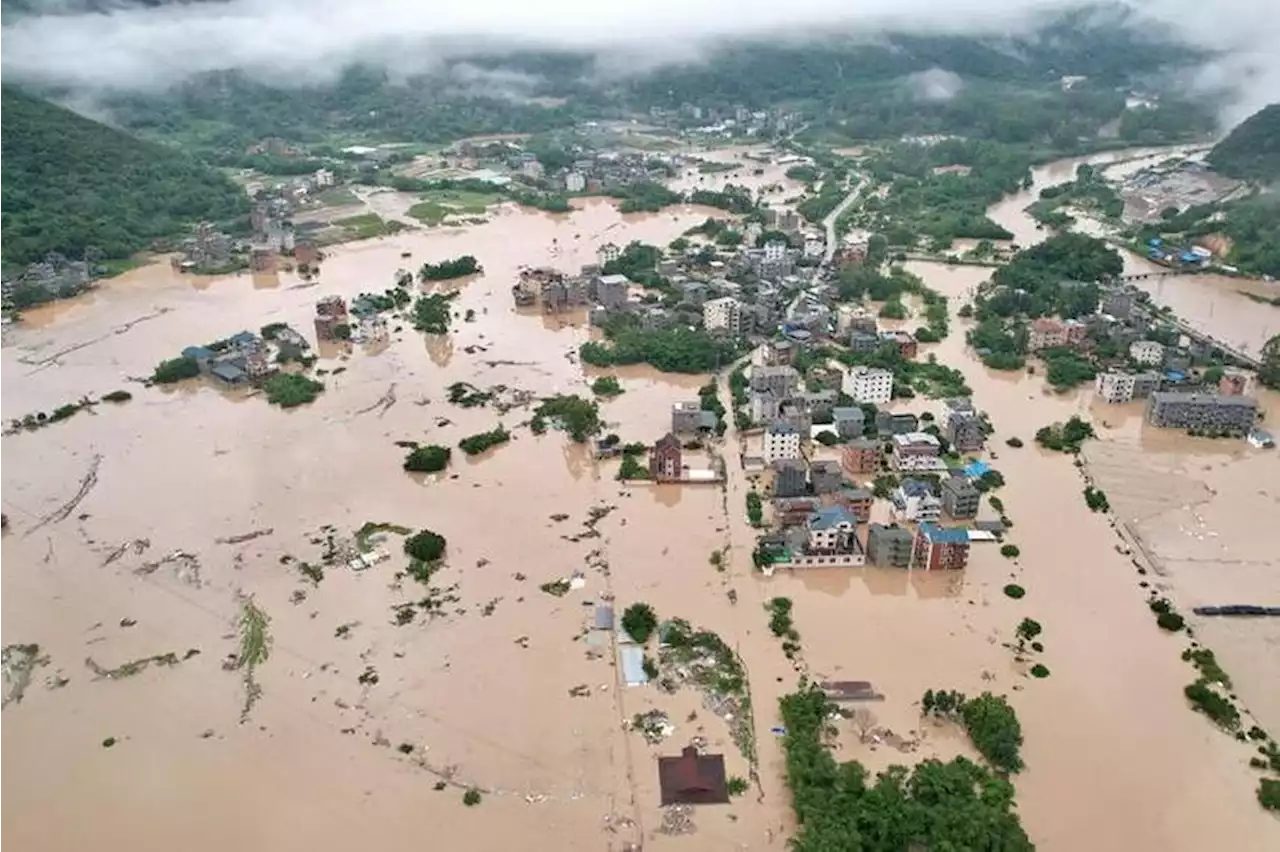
868,384
780,445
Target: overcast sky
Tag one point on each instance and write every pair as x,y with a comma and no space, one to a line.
310,40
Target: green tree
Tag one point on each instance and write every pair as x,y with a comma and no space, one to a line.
425,546
428,458
639,620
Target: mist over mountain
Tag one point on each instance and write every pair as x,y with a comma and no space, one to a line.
150,45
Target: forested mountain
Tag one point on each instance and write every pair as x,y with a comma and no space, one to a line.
70,183
1252,150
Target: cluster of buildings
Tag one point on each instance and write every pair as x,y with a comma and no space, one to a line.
55,277
819,507
246,357
361,323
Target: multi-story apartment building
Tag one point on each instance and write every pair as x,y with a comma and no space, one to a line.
960,499
889,546
1147,352
857,501
916,451
782,381
940,548
850,422
915,501
962,424
723,315
860,455
781,441
868,384
1208,412
1114,386
825,477
832,541
789,478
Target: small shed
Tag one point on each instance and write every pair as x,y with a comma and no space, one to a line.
631,658
603,617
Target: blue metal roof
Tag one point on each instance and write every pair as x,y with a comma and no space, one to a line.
229,372
944,535
916,488
976,468
832,516
242,338
197,352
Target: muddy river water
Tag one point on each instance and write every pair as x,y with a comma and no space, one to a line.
480,695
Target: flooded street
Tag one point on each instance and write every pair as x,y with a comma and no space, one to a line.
368,733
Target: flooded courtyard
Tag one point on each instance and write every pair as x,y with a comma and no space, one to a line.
368,731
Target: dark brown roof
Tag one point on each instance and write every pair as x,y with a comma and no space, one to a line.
667,442
693,779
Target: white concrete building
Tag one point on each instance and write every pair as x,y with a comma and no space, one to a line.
1115,387
575,182
814,246
915,501
917,451
607,252
775,251
723,315
868,384
1146,352
781,442
531,169
323,178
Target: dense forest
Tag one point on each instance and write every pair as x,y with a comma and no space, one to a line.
70,183
1252,150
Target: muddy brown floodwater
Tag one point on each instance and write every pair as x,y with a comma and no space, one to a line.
480,694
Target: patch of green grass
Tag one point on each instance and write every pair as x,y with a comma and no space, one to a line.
368,225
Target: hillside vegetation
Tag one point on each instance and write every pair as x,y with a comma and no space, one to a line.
1252,150
70,183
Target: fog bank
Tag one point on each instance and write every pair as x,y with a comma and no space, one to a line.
311,41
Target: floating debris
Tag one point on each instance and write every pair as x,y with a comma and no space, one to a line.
138,666
243,537
654,725
138,545
186,567
18,662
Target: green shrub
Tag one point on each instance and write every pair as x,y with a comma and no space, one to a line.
737,786
471,798
117,396
175,370
606,386
1009,551
1170,621
1014,442
1039,670
476,444
289,390
427,459
1269,794
1014,591
1213,705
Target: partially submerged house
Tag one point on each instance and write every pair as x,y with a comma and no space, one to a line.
693,779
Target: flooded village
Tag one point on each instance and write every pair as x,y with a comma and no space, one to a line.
575,618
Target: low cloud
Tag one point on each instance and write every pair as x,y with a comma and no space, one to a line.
935,84
130,45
